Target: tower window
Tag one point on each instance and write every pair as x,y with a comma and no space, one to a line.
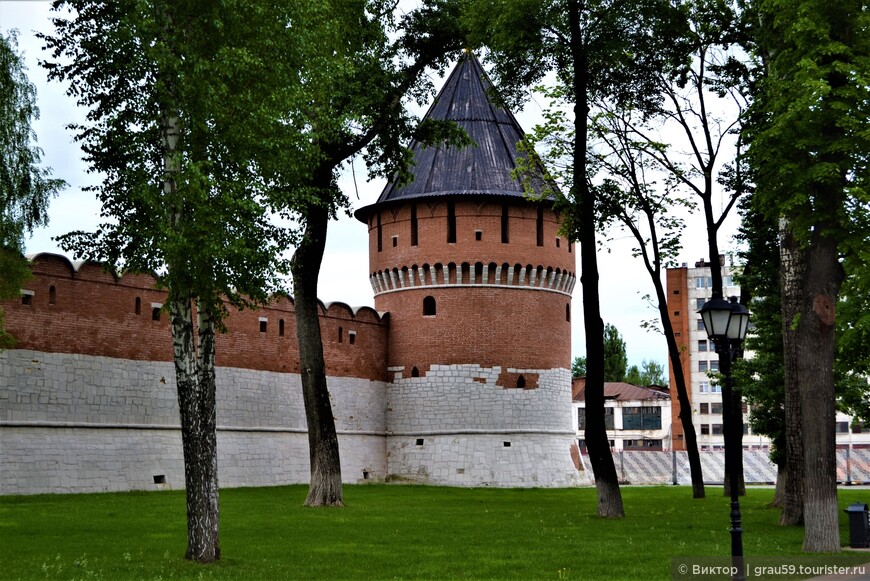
414,225
351,337
505,234
558,242
451,222
138,306
264,322
27,297
478,235
280,327
155,311
429,307
521,382
341,334
568,313
380,234
415,372
395,241
52,295
540,225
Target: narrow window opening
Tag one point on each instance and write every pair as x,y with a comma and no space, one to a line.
451,222
351,337
52,295
380,234
415,372
429,307
138,306
558,241
27,299
540,225
159,479
419,441
365,474
263,324
521,382
341,334
280,327
505,234
414,225
570,246
568,313
507,444
155,312
395,241
478,235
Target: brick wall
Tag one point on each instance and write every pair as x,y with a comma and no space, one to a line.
681,318
92,311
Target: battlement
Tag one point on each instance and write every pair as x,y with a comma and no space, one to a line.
86,308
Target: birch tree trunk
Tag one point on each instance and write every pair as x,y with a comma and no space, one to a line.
195,378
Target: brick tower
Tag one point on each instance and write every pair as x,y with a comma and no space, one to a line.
477,283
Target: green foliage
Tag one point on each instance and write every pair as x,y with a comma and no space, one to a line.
219,78
615,357
388,532
25,187
578,367
650,373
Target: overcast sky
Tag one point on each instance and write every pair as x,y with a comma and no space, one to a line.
344,276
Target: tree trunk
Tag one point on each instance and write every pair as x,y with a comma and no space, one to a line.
815,350
779,489
690,438
325,485
606,479
792,267
195,378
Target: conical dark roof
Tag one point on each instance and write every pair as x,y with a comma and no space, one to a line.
484,169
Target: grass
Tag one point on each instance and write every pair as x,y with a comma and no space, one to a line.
387,532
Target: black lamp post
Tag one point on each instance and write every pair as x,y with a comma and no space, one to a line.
726,324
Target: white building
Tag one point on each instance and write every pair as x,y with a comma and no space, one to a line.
636,418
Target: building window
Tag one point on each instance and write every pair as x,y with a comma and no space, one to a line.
341,334
137,307
280,327
705,429
699,303
716,408
608,419
701,324
395,241
478,235
451,222
521,382
155,311
429,307
568,313
414,225
702,366
581,418
558,241
642,418
571,248
842,427
52,295
505,235
27,297
702,345
351,337
714,365
716,388
699,282
704,387
540,226
717,429
263,324
676,313
705,408
415,372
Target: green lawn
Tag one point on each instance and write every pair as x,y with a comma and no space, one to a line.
386,532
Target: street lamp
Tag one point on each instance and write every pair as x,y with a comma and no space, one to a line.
726,323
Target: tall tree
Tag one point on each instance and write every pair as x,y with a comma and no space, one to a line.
361,65
578,367
809,139
615,357
636,203
25,187
186,101
594,48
